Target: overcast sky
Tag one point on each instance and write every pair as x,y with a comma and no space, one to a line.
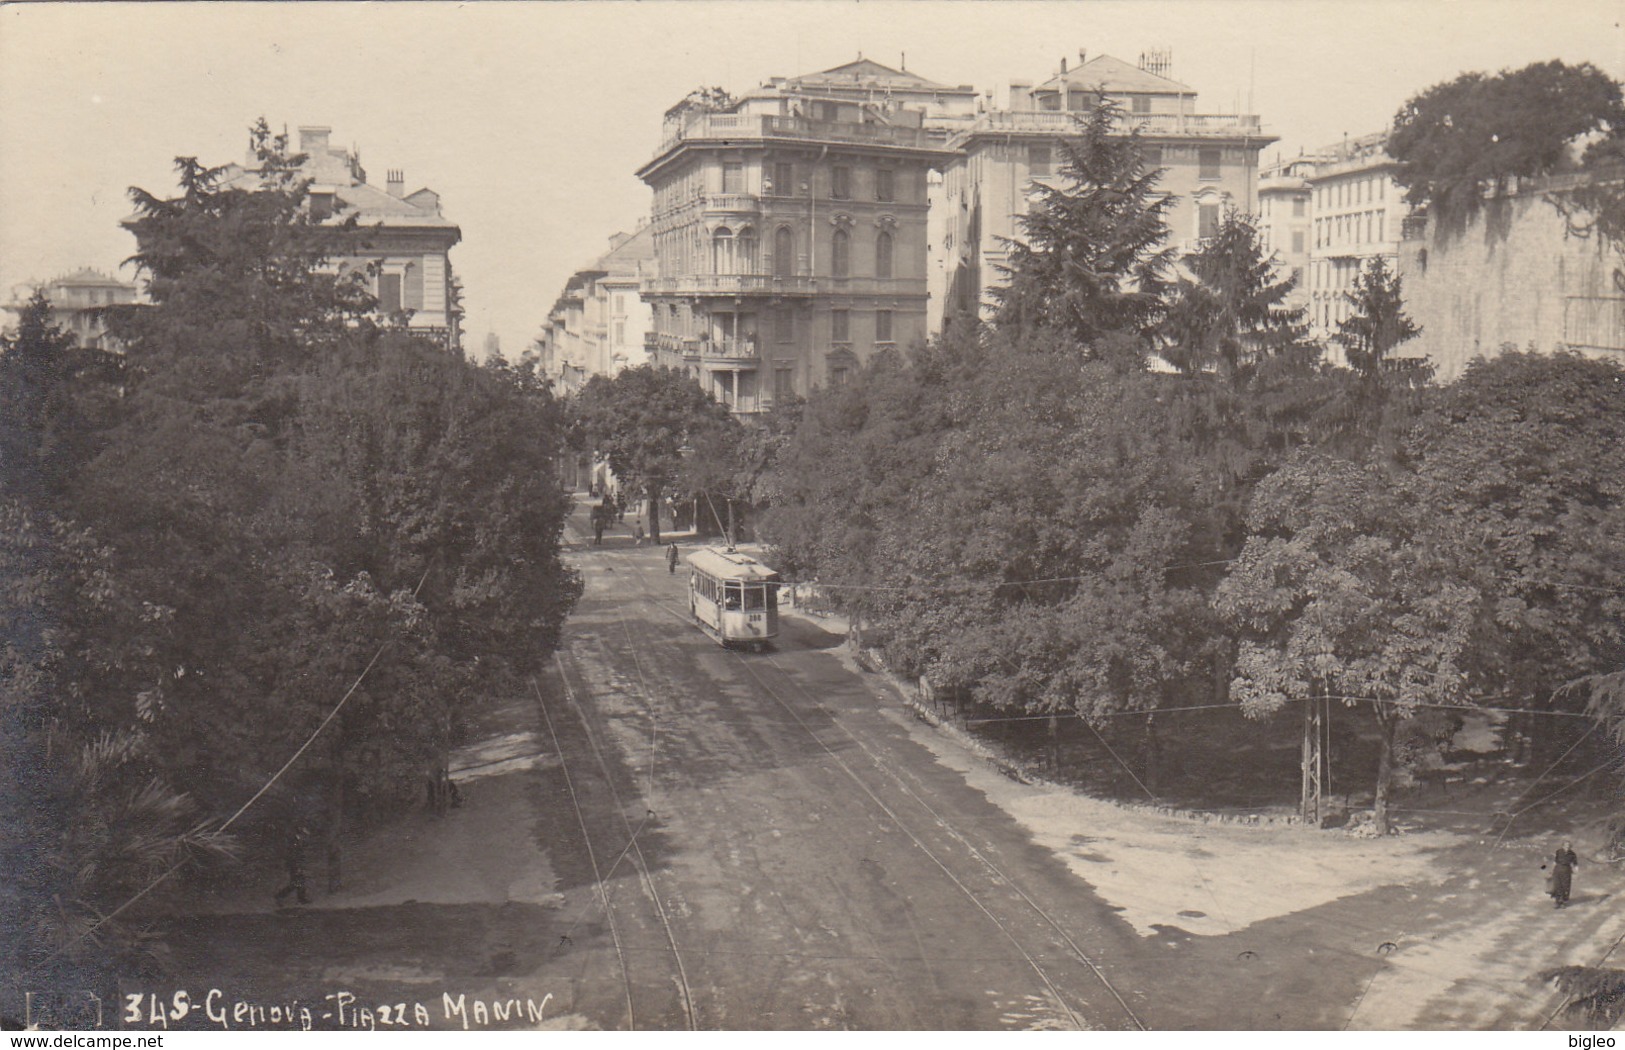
529,118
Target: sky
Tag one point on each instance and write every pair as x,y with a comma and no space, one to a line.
529,119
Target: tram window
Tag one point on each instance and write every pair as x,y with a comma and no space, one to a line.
731,596
755,599
772,596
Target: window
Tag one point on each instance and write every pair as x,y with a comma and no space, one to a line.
412,290
784,383
321,205
824,110
620,332
733,177
1153,157
883,255
841,261
722,251
1038,160
837,375
389,292
1299,207
784,252
840,326
885,185
784,180
1076,100
1051,102
1209,161
841,183
883,326
1207,221
620,303
1297,242
1140,104
784,325
745,251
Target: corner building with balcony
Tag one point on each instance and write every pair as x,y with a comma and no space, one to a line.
1209,166
789,228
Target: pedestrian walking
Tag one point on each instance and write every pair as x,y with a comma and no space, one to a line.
637,532
295,862
600,517
671,560
1561,881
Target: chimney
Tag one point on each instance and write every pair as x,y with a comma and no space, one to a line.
1020,95
1063,63
1083,58
395,182
313,139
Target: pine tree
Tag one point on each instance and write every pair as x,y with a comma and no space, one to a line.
1091,261
1229,312
1378,322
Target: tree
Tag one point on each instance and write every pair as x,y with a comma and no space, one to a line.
288,506
1378,322
641,420
1091,259
1341,593
1229,313
1522,463
1457,141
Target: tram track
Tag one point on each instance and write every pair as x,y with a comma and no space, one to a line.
645,876
1000,878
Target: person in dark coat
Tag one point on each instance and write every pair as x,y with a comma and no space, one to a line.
295,861
1563,865
671,560
600,517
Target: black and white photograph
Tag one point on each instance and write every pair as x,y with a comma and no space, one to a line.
812,515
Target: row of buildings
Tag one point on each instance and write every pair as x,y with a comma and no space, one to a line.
815,221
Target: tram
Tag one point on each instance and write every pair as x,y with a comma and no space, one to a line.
733,597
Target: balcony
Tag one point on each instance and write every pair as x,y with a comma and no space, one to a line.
1201,125
735,126
729,284
732,203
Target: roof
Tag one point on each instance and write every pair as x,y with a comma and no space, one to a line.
866,72
730,565
90,278
1114,75
623,259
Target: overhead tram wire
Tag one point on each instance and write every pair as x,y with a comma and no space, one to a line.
636,850
592,857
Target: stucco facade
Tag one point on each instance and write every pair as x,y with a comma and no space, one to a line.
1358,213
790,230
1209,166
1286,222
600,324
77,300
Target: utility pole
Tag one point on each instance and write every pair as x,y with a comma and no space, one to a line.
730,523
1313,761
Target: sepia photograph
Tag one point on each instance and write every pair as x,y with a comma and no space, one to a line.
893,516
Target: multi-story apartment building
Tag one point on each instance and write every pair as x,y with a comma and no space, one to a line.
1209,164
790,229
1358,213
77,301
408,240
599,324
1286,222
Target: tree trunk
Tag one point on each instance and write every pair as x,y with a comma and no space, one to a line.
1386,724
653,490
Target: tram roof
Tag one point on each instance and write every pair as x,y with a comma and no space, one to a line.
731,565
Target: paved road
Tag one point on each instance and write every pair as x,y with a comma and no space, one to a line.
795,859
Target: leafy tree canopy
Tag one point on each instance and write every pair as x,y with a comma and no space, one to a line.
1458,140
